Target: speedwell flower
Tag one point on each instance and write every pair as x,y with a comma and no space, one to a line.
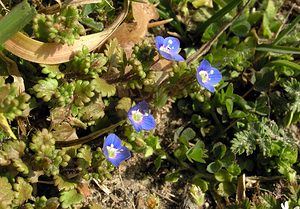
208,76
114,151
168,48
140,117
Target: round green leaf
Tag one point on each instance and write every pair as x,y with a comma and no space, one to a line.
214,166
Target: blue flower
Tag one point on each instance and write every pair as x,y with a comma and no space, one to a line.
114,151
208,76
168,48
140,118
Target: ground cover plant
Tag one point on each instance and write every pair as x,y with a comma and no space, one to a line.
149,104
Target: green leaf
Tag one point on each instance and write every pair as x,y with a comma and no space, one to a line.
91,23
45,89
187,135
226,189
229,106
70,198
172,177
23,191
214,167
21,166
52,71
197,153
17,19
124,104
238,114
286,63
6,193
197,180
219,150
64,183
83,92
102,87
223,175
234,169
93,111
85,154
241,26
264,78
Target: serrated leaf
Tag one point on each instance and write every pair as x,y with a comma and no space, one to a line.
6,193
70,198
124,104
23,191
64,132
64,183
102,87
84,92
13,149
85,154
46,88
52,71
21,166
92,111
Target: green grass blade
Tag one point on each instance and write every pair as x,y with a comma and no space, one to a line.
18,17
278,49
287,30
286,63
218,16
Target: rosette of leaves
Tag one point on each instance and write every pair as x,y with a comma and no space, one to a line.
59,28
141,60
12,103
47,158
87,63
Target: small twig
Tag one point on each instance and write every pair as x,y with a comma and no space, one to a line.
159,23
1,3
206,47
166,198
284,21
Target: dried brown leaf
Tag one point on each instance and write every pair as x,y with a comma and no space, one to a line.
129,34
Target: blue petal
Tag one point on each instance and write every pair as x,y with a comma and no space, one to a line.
112,139
177,57
143,106
148,123
214,76
209,87
174,46
137,126
166,55
204,65
123,154
159,41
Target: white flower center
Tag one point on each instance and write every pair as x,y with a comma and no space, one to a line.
112,152
137,116
204,76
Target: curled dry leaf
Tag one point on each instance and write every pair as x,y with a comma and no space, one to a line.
129,34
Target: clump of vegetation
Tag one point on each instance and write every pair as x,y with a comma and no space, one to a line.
231,76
